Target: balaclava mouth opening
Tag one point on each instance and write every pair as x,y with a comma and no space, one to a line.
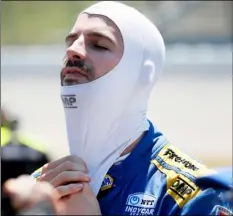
105,116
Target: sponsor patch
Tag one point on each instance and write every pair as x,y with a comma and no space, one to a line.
107,183
140,204
174,157
182,188
69,101
221,211
181,172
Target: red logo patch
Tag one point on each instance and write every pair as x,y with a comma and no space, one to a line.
223,211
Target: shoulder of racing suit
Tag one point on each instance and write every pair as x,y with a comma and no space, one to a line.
181,172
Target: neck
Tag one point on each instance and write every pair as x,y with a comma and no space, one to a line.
132,146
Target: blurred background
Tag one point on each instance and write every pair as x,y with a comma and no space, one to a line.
191,105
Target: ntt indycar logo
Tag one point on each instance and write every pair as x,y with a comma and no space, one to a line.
140,204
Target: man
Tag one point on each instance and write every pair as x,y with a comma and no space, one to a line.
15,144
19,155
114,58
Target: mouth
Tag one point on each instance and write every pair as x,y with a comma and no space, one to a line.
74,76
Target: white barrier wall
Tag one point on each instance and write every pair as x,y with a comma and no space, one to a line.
191,105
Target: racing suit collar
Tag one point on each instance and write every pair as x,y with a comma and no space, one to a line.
139,155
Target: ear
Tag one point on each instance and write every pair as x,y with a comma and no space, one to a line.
147,77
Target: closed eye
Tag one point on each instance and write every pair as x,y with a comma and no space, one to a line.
98,47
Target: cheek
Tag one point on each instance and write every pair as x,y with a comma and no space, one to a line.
105,62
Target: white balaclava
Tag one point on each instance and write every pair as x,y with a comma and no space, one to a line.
105,116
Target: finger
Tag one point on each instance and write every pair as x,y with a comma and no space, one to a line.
15,186
66,166
12,190
8,186
68,189
21,195
69,177
54,164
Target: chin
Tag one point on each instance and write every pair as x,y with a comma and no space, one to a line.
72,82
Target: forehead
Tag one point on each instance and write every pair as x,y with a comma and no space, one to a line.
96,23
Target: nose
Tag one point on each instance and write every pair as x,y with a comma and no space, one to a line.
77,49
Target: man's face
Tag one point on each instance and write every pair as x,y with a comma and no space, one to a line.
94,47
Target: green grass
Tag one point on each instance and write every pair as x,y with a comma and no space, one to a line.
40,22
32,22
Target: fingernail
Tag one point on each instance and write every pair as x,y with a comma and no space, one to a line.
42,176
80,186
88,178
45,166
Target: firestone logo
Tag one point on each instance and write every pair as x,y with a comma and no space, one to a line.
173,156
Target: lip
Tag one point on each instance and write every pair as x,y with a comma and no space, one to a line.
73,70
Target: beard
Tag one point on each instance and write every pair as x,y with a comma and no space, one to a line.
76,72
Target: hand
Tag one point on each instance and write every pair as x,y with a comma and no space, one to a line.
26,196
67,175
69,178
82,203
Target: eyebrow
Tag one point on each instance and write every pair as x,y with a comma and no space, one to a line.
73,35
70,36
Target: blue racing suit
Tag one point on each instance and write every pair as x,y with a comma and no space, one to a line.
222,179
222,183
158,179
